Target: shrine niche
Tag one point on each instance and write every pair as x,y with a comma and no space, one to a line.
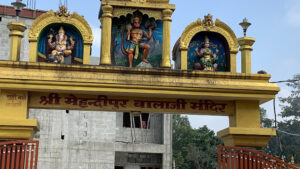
208,51
136,41
136,33
60,37
206,46
60,43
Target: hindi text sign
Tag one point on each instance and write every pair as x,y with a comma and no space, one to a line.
123,104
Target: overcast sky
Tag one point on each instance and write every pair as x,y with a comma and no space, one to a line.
275,26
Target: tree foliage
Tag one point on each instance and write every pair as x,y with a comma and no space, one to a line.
285,144
265,122
193,148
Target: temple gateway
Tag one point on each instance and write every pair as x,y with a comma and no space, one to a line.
66,109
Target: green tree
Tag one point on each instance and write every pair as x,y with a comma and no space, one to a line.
291,114
285,144
265,121
193,148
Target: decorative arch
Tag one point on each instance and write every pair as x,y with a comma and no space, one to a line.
60,17
207,25
118,12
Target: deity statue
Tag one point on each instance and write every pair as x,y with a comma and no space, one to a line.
61,47
137,39
208,59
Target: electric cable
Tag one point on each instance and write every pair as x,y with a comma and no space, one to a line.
286,81
275,115
292,134
277,134
283,81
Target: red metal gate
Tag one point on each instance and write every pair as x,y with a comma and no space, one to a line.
242,158
19,154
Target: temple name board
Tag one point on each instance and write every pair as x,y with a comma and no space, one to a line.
123,104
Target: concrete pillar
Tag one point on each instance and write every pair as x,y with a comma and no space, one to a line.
246,48
166,59
13,115
244,127
16,34
106,35
247,114
167,141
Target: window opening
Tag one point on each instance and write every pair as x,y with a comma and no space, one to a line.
119,167
150,167
139,120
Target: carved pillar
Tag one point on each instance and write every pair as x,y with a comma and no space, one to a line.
233,61
101,26
33,50
87,53
16,34
166,59
183,58
246,48
106,35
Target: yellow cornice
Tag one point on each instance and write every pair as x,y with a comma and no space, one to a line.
138,4
246,137
135,82
117,69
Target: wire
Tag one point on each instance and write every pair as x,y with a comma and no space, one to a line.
292,134
286,81
275,114
283,81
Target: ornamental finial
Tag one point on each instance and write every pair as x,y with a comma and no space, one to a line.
208,21
63,11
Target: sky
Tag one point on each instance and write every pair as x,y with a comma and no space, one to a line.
275,26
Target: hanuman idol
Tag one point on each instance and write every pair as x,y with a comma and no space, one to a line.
137,39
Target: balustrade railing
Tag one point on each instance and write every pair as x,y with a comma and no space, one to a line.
19,154
242,158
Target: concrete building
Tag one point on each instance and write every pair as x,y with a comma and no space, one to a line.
92,139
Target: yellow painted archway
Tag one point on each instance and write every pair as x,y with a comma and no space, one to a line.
60,17
209,26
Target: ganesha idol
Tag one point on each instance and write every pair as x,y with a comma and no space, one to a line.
61,47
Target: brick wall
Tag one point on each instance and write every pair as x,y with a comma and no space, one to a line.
25,13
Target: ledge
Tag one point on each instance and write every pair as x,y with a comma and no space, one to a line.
10,129
127,4
126,70
112,80
246,137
